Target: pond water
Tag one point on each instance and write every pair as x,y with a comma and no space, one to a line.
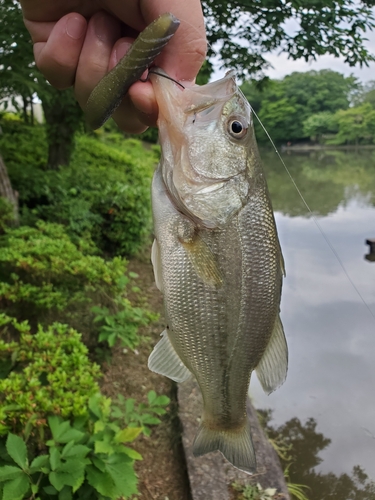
326,407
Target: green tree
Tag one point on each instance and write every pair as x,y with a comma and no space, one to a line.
355,125
315,126
367,94
241,32
20,77
284,105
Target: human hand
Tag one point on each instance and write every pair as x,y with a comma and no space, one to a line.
76,42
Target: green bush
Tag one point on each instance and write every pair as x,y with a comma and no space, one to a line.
83,459
42,374
6,213
104,193
42,273
59,437
45,277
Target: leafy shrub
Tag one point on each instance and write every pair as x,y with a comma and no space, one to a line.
42,374
87,459
6,213
255,492
42,271
45,277
104,192
142,415
122,325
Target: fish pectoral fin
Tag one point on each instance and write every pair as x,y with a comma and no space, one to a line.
204,261
165,361
156,264
273,366
236,445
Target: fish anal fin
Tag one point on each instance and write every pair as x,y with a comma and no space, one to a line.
273,366
156,264
204,261
236,445
165,361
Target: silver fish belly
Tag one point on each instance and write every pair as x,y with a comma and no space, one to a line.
218,263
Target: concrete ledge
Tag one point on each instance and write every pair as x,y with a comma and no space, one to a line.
211,475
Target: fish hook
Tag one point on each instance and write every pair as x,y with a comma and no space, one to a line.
151,72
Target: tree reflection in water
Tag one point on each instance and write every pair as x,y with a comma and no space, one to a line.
303,444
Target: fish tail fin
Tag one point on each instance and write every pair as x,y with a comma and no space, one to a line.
236,445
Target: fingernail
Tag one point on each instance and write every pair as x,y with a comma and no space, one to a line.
76,27
102,27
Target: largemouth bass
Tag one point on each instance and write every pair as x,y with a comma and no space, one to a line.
217,260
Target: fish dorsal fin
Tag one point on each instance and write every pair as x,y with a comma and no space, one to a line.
204,261
156,264
165,361
273,366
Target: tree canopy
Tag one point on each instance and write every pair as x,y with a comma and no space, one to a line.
241,32
284,105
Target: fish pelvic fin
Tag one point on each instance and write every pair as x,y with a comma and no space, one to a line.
236,445
165,361
273,366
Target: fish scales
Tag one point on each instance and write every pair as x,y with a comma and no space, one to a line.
217,261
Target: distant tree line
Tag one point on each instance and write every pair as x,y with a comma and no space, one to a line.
318,106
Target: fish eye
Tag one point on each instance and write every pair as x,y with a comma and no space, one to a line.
237,129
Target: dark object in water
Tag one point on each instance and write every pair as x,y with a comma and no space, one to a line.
371,255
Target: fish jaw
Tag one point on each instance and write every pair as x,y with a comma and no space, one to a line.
204,168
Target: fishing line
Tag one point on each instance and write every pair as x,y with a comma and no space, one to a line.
325,237
150,72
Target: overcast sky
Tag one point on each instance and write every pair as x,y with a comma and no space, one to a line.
282,66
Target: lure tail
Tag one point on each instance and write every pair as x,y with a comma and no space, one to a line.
236,445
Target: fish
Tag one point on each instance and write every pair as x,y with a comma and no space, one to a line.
217,260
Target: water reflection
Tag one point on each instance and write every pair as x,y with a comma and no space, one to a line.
331,334
305,444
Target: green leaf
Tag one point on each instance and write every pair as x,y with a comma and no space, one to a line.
66,448
60,479
54,424
9,472
16,488
101,481
129,434
103,447
162,401
99,463
151,396
63,432
132,453
55,460
38,463
99,426
124,478
16,449
66,493
50,490
77,451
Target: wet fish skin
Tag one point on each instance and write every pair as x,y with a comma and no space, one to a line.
217,261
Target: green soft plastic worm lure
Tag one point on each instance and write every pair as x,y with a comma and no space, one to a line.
109,92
